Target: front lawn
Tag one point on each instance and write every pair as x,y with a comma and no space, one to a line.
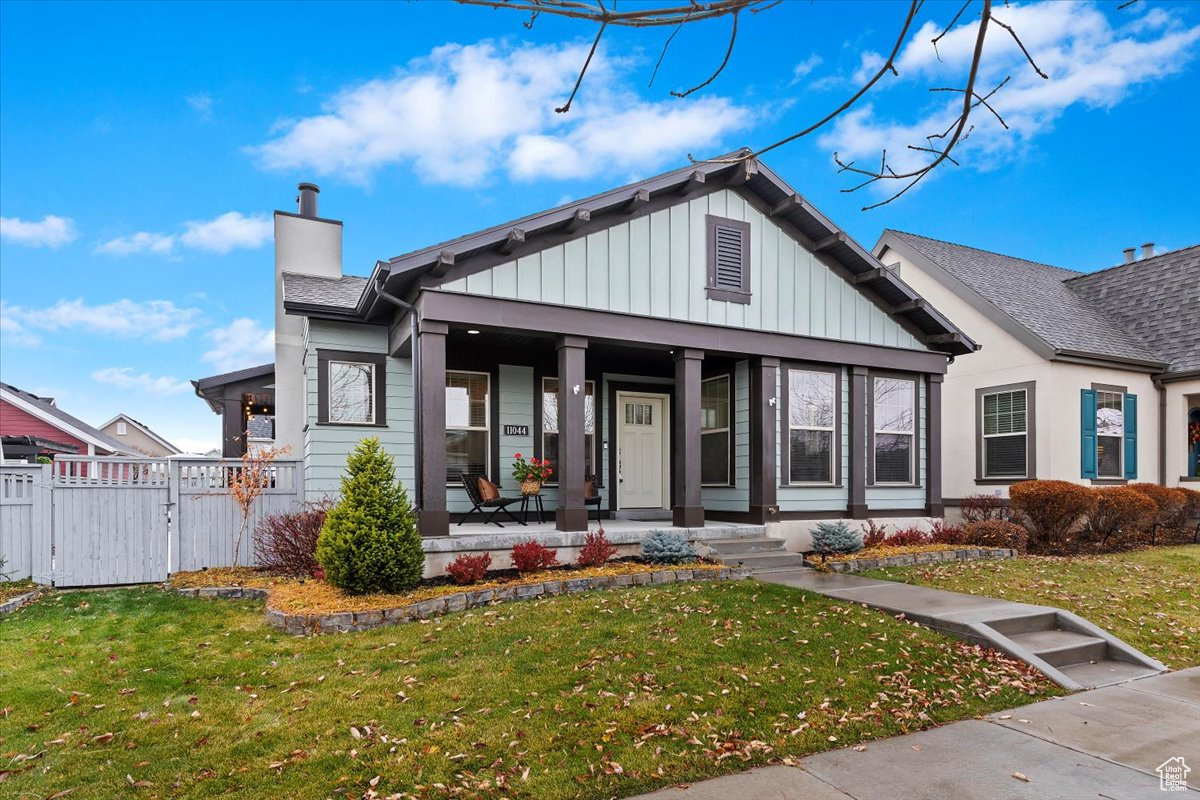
140,692
1148,598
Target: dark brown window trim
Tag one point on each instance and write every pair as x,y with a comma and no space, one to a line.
918,431
377,360
785,436
730,433
724,293
1030,388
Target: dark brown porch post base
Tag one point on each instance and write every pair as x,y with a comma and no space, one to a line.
687,511
571,519
571,514
433,523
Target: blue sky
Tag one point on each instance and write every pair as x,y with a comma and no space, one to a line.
143,147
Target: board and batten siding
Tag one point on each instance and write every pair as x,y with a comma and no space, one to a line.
656,266
327,446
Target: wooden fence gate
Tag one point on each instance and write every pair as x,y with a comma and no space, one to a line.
95,521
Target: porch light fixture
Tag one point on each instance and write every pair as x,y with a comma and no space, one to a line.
771,402
576,389
472,331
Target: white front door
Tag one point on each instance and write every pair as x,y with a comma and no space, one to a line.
641,451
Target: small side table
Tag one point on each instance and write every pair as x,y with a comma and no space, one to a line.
537,501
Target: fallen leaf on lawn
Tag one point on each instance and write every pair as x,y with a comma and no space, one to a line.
103,738
1020,776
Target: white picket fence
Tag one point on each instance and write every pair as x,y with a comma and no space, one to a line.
93,521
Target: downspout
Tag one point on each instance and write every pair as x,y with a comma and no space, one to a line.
1162,428
415,330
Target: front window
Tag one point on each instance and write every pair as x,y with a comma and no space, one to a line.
1110,429
351,393
1005,434
714,431
550,426
894,403
467,419
812,426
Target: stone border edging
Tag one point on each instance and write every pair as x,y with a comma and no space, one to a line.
911,559
351,621
13,603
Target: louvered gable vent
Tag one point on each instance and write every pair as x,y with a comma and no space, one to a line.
728,259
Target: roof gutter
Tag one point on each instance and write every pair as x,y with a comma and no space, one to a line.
414,332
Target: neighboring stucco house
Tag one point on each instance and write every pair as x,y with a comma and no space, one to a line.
703,345
139,437
50,430
1088,377
245,401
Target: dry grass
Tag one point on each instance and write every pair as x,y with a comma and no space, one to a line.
295,595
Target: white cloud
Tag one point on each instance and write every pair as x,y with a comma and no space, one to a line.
466,112
52,231
243,343
1091,63
202,104
148,320
125,378
140,242
805,67
13,333
230,231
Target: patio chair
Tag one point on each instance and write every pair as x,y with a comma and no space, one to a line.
470,482
591,497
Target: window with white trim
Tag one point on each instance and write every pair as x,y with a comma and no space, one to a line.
715,431
468,413
812,426
351,393
1005,434
894,448
122,428
550,427
1110,430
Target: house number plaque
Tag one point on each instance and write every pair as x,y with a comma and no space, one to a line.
516,430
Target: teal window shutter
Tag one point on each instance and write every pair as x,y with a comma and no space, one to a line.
1087,434
1130,436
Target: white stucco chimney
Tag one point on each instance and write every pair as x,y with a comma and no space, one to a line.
1148,250
1130,254
305,244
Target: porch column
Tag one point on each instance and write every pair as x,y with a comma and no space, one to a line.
933,446
233,428
764,422
859,435
431,462
571,514
686,510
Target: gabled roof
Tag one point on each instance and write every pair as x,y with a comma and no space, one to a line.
1157,299
1034,301
204,386
53,415
505,242
141,426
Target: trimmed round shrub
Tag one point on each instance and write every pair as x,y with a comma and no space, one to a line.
532,556
835,539
667,547
1051,511
370,541
466,569
1121,512
996,533
1170,505
596,549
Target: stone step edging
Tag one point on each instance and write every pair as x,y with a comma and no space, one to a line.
13,603
304,624
912,559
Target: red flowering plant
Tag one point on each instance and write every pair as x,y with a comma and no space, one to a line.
534,469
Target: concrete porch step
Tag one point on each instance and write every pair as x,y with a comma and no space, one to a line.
1060,648
1025,623
762,561
746,545
1106,672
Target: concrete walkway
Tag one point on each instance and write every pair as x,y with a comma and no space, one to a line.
1104,743
1066,648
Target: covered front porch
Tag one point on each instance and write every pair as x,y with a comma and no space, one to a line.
676,420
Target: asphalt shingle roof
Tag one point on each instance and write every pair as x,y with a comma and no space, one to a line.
1041,299
115,445
341,292
1156,299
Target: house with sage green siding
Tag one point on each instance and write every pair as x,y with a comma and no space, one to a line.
700,347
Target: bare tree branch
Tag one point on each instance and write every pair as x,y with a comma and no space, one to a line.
1021,44
724,62
946,30
579,81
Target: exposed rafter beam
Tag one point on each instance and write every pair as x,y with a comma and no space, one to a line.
829,241
789,203
911,305
640,198
879,273
442,265
516,238
582,217
944,338
743,171
695,182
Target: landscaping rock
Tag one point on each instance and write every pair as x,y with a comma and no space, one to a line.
662,577
365,620
481,597
576,585
641,578
553,587
456,602
529,592
427,608
683,574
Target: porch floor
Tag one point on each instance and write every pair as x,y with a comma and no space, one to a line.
481,536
